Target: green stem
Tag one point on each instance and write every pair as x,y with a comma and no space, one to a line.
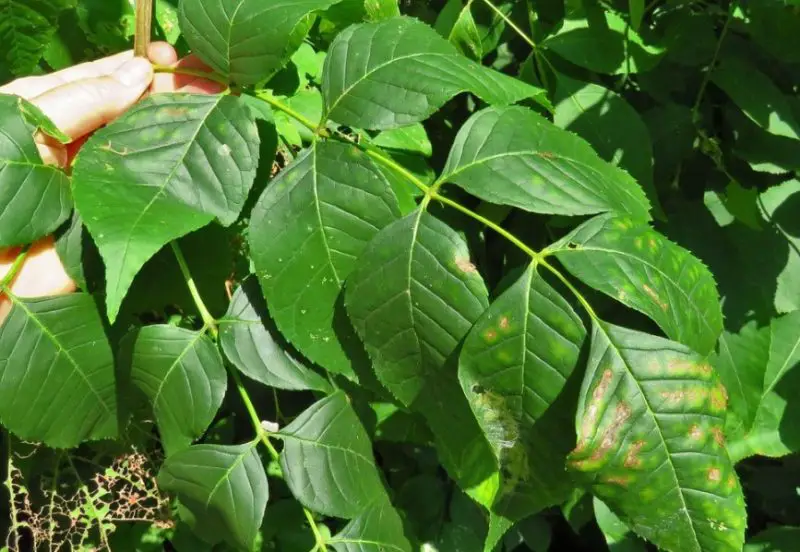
511,24
191,73
208,320
578,295
707,76
14,270
302,119
320,540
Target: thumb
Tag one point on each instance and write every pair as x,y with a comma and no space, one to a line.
78,108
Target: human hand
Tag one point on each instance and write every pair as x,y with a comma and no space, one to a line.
79,100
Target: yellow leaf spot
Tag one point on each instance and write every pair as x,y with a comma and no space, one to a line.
632,459
719,436
714,475
696,432
504,323
654,296
490,335
620,480
719,398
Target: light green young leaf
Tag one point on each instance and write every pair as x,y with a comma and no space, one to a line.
247,40
250,341
378,529
412,297
410,139
513,156
650,436
642,269
327,460
26,29
306,233
760,100
57,380
34,197
181,373
378,10
513,365
223,487
409,74
170,165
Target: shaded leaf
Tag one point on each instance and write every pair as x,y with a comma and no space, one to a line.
378,529
411,138
168,166
642,269
410,73
619,536
57,380
650,437
305,235
181,373
512,156
26,29
223,487
774,539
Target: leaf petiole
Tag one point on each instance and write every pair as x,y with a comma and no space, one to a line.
208,319
16,266
191,73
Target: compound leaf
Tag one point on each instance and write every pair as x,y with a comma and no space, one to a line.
642,269
34,197
250,342
412,298
650,436
247,40
400,71
57,380
512,156
514,363
223,487
378,529
170,165
306,232
327,460
181,373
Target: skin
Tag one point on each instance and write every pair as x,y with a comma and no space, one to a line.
79,100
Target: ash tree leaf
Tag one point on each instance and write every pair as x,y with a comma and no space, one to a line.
378,529
327,460
250,341
640,268
514,363
306,232
247,40
170,165
412,298
761,101
57,379
34,197
26,28
181,373
409,74
512,156
223,487
650,437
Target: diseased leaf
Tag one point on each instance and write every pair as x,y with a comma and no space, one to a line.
305,235
247,40
327,460
34,197
513,365
170,165
57,380
409,74
26,29
223,487
251,343
512,156
642,269
650,437
378,529
412,297
181,373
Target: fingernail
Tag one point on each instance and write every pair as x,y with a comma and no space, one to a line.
136,72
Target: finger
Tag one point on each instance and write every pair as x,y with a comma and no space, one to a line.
30,87
80,107
161,53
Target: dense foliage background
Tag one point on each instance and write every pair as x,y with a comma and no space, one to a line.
594,434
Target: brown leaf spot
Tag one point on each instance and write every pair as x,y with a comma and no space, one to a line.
490,335
696,432
654,296
714,475
719,436
465,265
175,111
632,459
546,155
731,483
719,398
617,480
504,324
590,417
611,434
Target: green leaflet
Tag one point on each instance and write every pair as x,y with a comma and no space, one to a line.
514,363
381,9
69,243
306,232
247,40
412,297
327,460
378,529
404,55
170,165
251,343
619,536
760,100
774,539
513,156
26,29
57,380
650,436
642,269
181,373
473,28
223,488
34,197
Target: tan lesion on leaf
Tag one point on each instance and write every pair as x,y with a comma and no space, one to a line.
696,432
592,411
175,111
632,459
719,436
490,335
465,265
719,398
714,475
655,297
108,147
546,155
504,324
621,480
679,368
611,435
